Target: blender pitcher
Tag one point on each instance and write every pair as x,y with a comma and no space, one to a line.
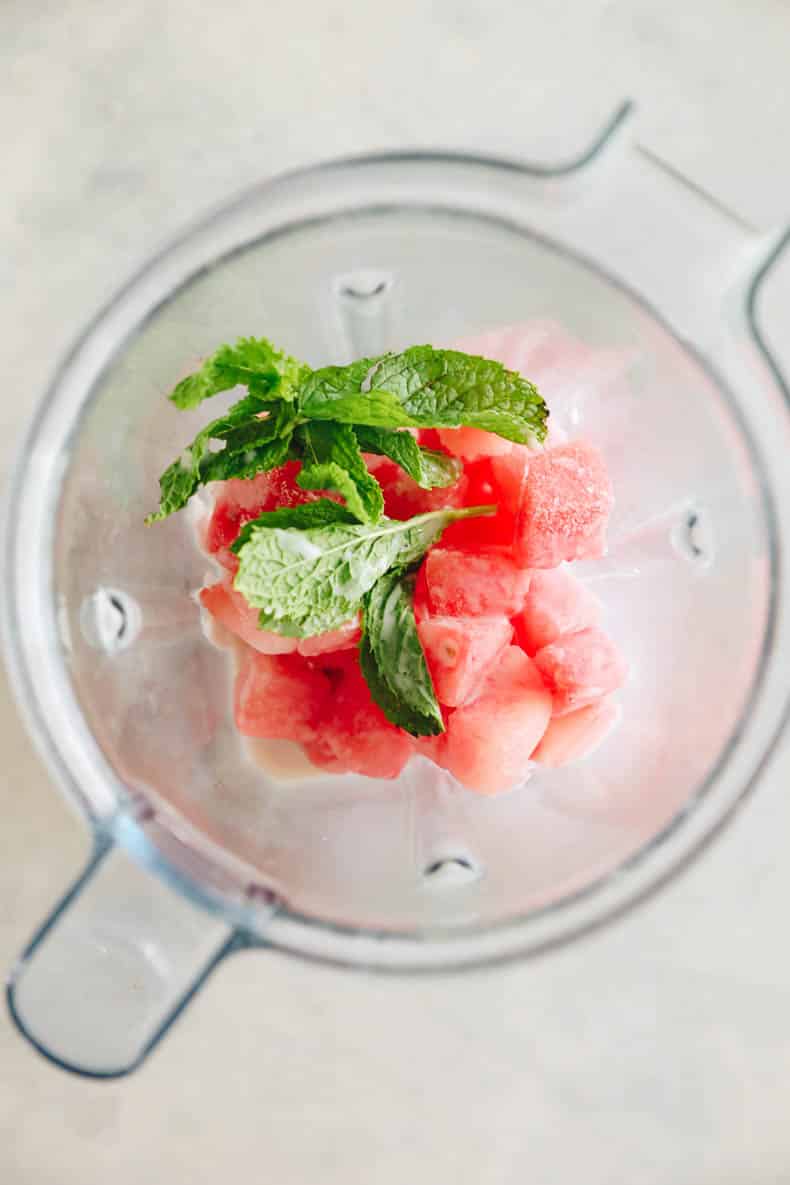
197,850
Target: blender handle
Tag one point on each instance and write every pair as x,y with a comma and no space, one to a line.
112,967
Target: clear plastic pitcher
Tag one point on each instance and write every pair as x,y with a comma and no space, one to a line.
197,850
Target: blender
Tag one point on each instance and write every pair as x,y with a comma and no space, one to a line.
197,852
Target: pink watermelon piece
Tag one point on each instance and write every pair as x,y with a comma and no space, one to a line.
557,603
240,500
434,748
344,638
565,508
422,608
280,696
429,438
581,668
481,490
403,498
509,473
231,610
577,735
355,735
490,741
473,443
474,584
459,652
497,481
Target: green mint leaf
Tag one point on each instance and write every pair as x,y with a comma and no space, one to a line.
312,579
253,362
392,658
426,466
425,387
247,462
176,486
244,411
321,513
332,461
438,469
251,445
330,385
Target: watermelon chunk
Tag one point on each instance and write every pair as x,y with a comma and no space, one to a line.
509,475
581,668
577,735
459,652
344,638
490,741
473,443
434,748
497,481
231,610
422,607
280,696
474,584
403,498
355,735
565,508
240,500
557,603
429,438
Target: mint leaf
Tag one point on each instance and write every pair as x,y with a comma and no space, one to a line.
429,388
392,658
253,362
438,469
312,579
426,466
176,486
245,463
321,513
332,461
250,446
330,385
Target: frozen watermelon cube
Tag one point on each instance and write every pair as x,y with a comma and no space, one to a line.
474,584
492,481
280,696
509,475
355,735
422,608
459,652
581,668
403,498
490,741
231,609
565,508
240,500
577,735
473,443
557,603
344,638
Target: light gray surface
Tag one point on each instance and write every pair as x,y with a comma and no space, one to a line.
658,1051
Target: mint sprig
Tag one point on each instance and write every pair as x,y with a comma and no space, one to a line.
309,569
309,579
253,363
429,388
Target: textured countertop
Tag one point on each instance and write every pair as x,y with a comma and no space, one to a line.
657,1051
